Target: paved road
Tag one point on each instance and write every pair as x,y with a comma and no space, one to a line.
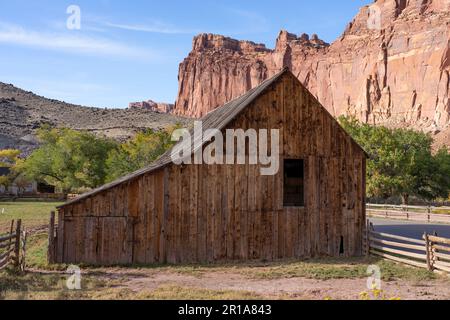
410,229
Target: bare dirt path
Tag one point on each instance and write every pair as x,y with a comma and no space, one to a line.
287,288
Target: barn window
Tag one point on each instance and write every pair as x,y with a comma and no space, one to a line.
294,183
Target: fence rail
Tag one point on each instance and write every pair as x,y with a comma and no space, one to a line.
431,252
50,197
413,213
13,247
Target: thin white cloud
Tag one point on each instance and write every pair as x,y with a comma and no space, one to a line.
154,27
245,22
70,41
61,25
252,22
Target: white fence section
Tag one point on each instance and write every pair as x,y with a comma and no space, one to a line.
413,213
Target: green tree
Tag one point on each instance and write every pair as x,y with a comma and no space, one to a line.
9,158
69,159
437,176
401,162
139,152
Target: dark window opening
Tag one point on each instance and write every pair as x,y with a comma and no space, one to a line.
294,183
45,188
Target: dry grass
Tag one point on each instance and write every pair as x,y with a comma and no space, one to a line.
319,269
38,286
172,292
119,283
326,269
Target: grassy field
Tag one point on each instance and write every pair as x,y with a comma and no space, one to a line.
33,214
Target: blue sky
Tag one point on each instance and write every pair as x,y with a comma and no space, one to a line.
130,50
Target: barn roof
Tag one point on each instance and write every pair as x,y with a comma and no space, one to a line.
216,119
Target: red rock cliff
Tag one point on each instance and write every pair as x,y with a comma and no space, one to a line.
152,106
390,66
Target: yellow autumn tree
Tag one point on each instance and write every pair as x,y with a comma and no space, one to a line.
9,158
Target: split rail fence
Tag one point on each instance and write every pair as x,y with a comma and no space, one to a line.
13,247
413,213
430,252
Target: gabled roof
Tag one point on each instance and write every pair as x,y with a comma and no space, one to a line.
216,119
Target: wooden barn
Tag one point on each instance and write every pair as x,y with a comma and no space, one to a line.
168,213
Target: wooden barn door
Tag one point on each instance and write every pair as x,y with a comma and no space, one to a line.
115,240
98,240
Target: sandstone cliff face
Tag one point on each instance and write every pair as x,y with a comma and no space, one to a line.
390,66
151,105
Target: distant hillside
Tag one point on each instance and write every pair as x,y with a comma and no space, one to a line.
22,112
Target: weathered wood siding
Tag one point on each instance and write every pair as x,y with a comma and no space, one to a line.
199,213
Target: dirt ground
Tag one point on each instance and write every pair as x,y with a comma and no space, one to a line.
285,288
321,279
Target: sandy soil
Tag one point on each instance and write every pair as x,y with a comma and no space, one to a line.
295,288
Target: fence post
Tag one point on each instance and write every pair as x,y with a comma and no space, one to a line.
370,228
17,244
367,248
51,239
11,230
24,249
429,213
428,247
434,250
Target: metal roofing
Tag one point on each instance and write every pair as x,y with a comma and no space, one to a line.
216,119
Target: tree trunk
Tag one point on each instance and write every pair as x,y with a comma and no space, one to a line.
405,199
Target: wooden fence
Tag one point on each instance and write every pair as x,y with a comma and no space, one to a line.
13,247
413,213
52,232
431,252
34,196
